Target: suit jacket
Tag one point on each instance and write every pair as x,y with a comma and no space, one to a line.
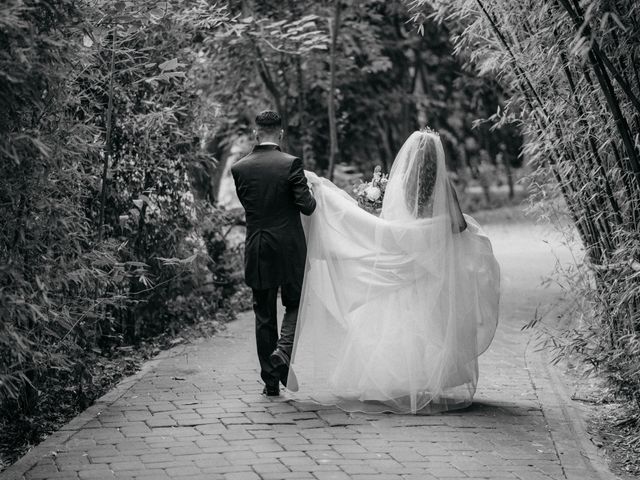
273,191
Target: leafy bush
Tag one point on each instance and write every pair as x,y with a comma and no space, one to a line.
389,81
107,236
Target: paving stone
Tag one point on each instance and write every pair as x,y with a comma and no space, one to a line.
181,471
338,475
119,458
169,462
183,451
202,476
282,454
227,469
153,475
155,422
210,460
288,476
418,476
95,474
239,456
376,477
135,465
242,476
307,447
270,468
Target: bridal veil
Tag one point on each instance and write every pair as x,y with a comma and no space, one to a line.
396,309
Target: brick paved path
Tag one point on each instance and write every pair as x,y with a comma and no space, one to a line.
196,413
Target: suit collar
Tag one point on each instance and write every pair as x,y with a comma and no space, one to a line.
266,147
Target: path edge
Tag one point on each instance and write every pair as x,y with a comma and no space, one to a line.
58,438
566,422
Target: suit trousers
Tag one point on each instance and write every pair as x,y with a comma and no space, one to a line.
266,311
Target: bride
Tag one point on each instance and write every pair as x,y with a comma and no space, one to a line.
395,310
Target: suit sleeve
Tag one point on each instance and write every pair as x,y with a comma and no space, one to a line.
301,195
234,174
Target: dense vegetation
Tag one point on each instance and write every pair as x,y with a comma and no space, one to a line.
571,73
388,81
107,236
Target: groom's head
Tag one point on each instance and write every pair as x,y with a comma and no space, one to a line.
268,127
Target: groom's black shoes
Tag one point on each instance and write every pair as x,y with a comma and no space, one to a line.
271,391
280,361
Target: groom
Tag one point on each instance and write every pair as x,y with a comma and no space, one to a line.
273,191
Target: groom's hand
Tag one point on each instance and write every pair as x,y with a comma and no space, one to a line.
300,187
312,179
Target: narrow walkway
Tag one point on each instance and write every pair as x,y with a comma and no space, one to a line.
196,413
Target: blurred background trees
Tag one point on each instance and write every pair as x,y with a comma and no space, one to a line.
389,81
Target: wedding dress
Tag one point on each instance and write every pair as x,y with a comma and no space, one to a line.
395,310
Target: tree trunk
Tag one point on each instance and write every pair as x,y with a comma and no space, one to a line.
331,101
270,84
307,149
384,140
509,172
108,142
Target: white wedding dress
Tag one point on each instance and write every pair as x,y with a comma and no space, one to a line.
395,310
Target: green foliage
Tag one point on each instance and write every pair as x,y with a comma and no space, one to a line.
262,59
571,72
107,236
390,81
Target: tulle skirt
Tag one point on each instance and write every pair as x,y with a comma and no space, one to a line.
385,324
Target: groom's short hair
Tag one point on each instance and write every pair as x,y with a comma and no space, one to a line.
268,121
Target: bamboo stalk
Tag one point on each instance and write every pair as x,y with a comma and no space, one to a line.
108,141
301,111
591,244
331,101
592,145
578,18
506,45
601,241
612,100
624,169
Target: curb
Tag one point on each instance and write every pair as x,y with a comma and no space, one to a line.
58,438
580,458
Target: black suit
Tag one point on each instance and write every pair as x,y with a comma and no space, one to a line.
273,191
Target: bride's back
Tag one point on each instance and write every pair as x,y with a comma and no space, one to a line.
412,181
419,181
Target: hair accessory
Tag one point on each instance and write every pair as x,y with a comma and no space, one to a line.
427,129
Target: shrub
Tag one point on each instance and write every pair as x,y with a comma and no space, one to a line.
107,237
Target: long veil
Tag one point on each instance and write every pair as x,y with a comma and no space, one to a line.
395,310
